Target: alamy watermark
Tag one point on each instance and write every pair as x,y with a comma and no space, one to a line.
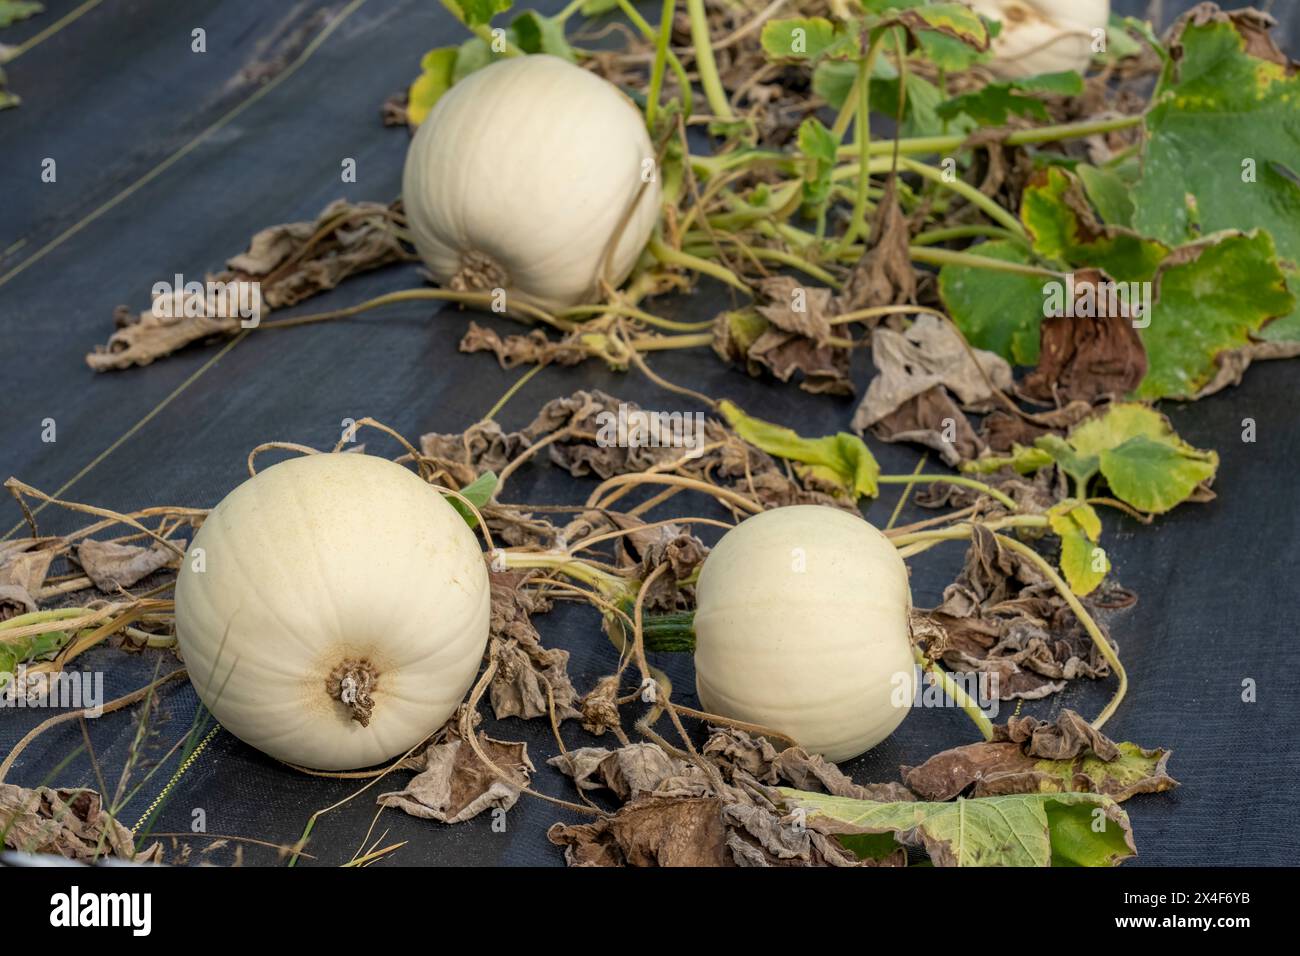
67,689
213,299
635,428
1088,299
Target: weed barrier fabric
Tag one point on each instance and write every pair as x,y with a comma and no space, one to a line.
116,93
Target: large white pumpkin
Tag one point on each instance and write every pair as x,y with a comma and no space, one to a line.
325,578
522,174
802,625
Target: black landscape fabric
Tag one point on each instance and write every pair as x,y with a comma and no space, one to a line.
118,92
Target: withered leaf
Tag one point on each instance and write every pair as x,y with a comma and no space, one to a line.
651,831
484,446
453,785
527,349
297,260
628,772
68,823
930,353
1002,618
1033,756
792,307
111,565
931,419
1086,359
24,563
525,669
884,274
824,368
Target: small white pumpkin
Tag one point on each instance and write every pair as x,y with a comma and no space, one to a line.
521,176
325,579
802,625
1043,36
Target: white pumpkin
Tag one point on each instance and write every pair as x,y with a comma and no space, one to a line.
325,579
521,176
1043,36
802,625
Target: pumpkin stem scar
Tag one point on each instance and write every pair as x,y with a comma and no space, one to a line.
351,683
478,273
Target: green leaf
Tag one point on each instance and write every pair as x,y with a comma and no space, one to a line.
994,103
479,12
474,54
1222,113
11,11
997,311
1118,42
954,20
534,33
1210,297
1135,770
593,8
1108,192
1143,460
1154,476
807,38
818,147
840,459
1083,563
1055,211
479,491
1058,829
437,70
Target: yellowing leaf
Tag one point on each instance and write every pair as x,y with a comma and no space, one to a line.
1059,829
1083,562
435,79
840,459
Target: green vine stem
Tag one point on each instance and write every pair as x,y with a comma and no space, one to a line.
675,257
661,59
967,192
705,65
914,542
660,39
862,128
708,166
964,482
482,30
955,691
1089,625
610,585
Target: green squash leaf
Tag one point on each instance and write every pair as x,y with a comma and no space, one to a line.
1058,829
953,20
1133,447
1210,297
1083,562
535,33
1065,230
997,311
437,71
1223,133
1109,193
11,11
479,491
807,38
1143,460
841,459
818,147
994,103
479,12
